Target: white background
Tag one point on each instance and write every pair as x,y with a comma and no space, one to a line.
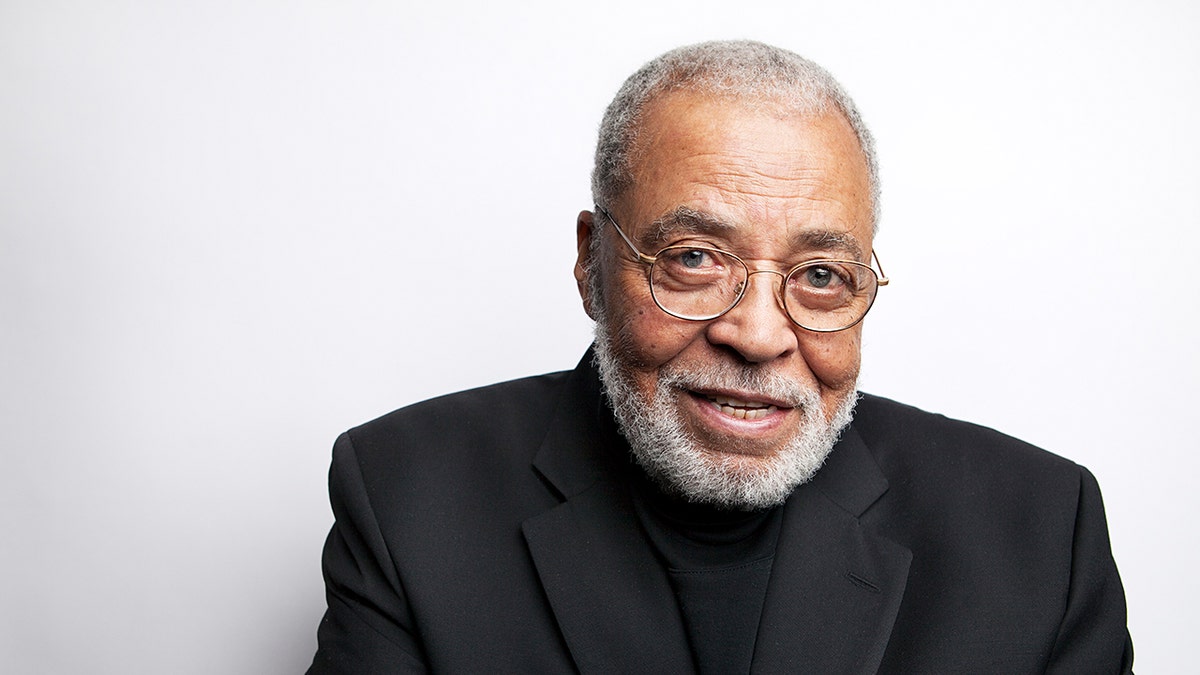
230,230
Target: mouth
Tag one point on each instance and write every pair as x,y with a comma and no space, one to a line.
739,408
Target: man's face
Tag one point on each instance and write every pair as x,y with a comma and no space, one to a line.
776,190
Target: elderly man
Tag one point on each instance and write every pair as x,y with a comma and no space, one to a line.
707,491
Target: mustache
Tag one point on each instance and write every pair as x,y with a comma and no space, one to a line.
731,376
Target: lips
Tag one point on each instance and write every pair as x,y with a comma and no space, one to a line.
740,408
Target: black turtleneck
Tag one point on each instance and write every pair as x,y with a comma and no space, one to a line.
719,562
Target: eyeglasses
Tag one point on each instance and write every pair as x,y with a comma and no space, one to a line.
699,283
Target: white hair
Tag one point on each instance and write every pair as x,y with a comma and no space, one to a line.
751,72
661,445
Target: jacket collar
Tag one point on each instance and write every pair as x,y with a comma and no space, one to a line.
835,587
609,593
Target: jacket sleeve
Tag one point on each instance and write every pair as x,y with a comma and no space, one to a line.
1093,636
367,627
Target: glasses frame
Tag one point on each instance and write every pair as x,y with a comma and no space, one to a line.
881,278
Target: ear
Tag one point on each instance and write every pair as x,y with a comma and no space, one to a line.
583,242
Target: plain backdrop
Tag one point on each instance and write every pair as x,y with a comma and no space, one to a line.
230,230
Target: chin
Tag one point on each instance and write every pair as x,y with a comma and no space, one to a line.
738,464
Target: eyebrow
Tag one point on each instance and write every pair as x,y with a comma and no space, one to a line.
828,240
683,219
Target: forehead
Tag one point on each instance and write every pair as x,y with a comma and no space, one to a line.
760,177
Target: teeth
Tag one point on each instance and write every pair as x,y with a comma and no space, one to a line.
726,400
742,410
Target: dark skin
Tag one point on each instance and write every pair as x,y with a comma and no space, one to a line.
776,189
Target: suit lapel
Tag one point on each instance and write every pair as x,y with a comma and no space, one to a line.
609,593
610,596
835,587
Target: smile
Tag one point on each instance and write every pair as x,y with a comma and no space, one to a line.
742,410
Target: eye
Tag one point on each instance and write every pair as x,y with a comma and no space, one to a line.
692,266
818,277
822,277
694,259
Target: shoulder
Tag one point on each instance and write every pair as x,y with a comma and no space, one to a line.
910,440
949,479
517,409
1009,535
456,462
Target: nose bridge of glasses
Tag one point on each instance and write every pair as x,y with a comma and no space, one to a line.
777,291
777,273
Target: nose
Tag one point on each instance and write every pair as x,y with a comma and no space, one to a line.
757,328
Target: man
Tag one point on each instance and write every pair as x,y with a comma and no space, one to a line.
707,492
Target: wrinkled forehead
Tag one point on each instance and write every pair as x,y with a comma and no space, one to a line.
684,222
761,169
668,110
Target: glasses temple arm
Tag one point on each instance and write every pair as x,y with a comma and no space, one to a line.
883,279
648,259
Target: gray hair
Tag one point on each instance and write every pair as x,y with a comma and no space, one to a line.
752,72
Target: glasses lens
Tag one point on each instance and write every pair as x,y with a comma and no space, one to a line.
693,282
829,295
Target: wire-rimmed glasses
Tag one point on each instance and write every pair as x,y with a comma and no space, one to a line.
701,283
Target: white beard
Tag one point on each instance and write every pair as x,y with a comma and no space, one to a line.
671,456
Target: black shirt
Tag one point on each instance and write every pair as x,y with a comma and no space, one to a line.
719,563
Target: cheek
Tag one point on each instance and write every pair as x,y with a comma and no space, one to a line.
645,335
834,358
652,338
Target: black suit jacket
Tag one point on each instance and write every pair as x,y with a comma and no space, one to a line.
492,531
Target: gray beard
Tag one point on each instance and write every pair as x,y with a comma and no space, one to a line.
665,450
